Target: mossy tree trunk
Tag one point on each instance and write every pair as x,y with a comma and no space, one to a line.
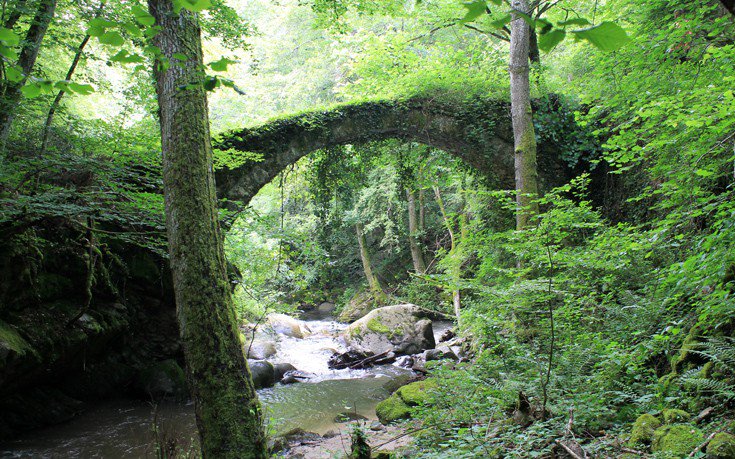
417,256
524,135
373,282
10,94
226,406
454,255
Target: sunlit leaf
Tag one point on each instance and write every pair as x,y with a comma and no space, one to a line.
143,16
112,38
9,37
606,36
475,9
31,90
547,41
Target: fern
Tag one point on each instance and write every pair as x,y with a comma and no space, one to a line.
721,353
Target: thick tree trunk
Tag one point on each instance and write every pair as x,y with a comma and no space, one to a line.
69,75
11,95
419,265
226,406
373,281
526,174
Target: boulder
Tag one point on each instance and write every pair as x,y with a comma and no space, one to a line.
672,416
281,369
401,329
676,440
722,446
286,325
326,308
163,379
263,372
417,393
392,409
643,429
260,350
358,307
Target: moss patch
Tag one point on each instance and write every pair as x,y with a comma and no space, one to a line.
377,326
722,446
678,440
643,430
417,393
392,409
672,416
11,341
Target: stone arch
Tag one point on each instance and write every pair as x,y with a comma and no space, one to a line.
478,131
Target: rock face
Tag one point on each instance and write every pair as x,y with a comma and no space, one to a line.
401,329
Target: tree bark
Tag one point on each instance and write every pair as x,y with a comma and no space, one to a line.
227,411
69,75
373,281
15,14
11,94
524,136
419,265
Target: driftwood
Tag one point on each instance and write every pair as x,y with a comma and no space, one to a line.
354,362
573,449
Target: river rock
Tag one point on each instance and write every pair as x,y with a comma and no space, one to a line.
358,306
326,307
440,353
260,350
401,329
264,374
281,369
286,325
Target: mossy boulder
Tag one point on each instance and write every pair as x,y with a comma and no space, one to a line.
358,307
417,393
677,440
402,329
643,430
163,379
392,409
673,416
12,345
722,446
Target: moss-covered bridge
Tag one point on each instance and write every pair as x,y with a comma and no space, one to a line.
478,131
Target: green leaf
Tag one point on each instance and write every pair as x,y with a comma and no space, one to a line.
210,83
180,57
133,29
575,21
14,74
606,36
126,58
221,65
103,23
94,31
31,90
195,6
9,37
502,22
475,9
112,38
83,89
547,41
8,53
143,16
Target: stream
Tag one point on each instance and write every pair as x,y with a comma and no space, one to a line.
123,428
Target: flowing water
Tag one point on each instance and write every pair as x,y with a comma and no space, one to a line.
123,428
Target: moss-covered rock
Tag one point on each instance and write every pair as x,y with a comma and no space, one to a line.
722,446
163,379
402,329
417,393
11,343
677,440
643,430
392,409
358,307
672,416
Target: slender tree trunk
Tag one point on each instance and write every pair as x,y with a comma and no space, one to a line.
422,211
11,94
69,75
15,15
227,411
419,265
373,281
455,271
526,174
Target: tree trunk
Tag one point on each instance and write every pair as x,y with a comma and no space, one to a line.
15,15
69,75
227,411
11,94
419,265
455,271
526,174
373,282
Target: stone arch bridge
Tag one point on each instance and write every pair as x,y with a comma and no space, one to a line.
477,131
